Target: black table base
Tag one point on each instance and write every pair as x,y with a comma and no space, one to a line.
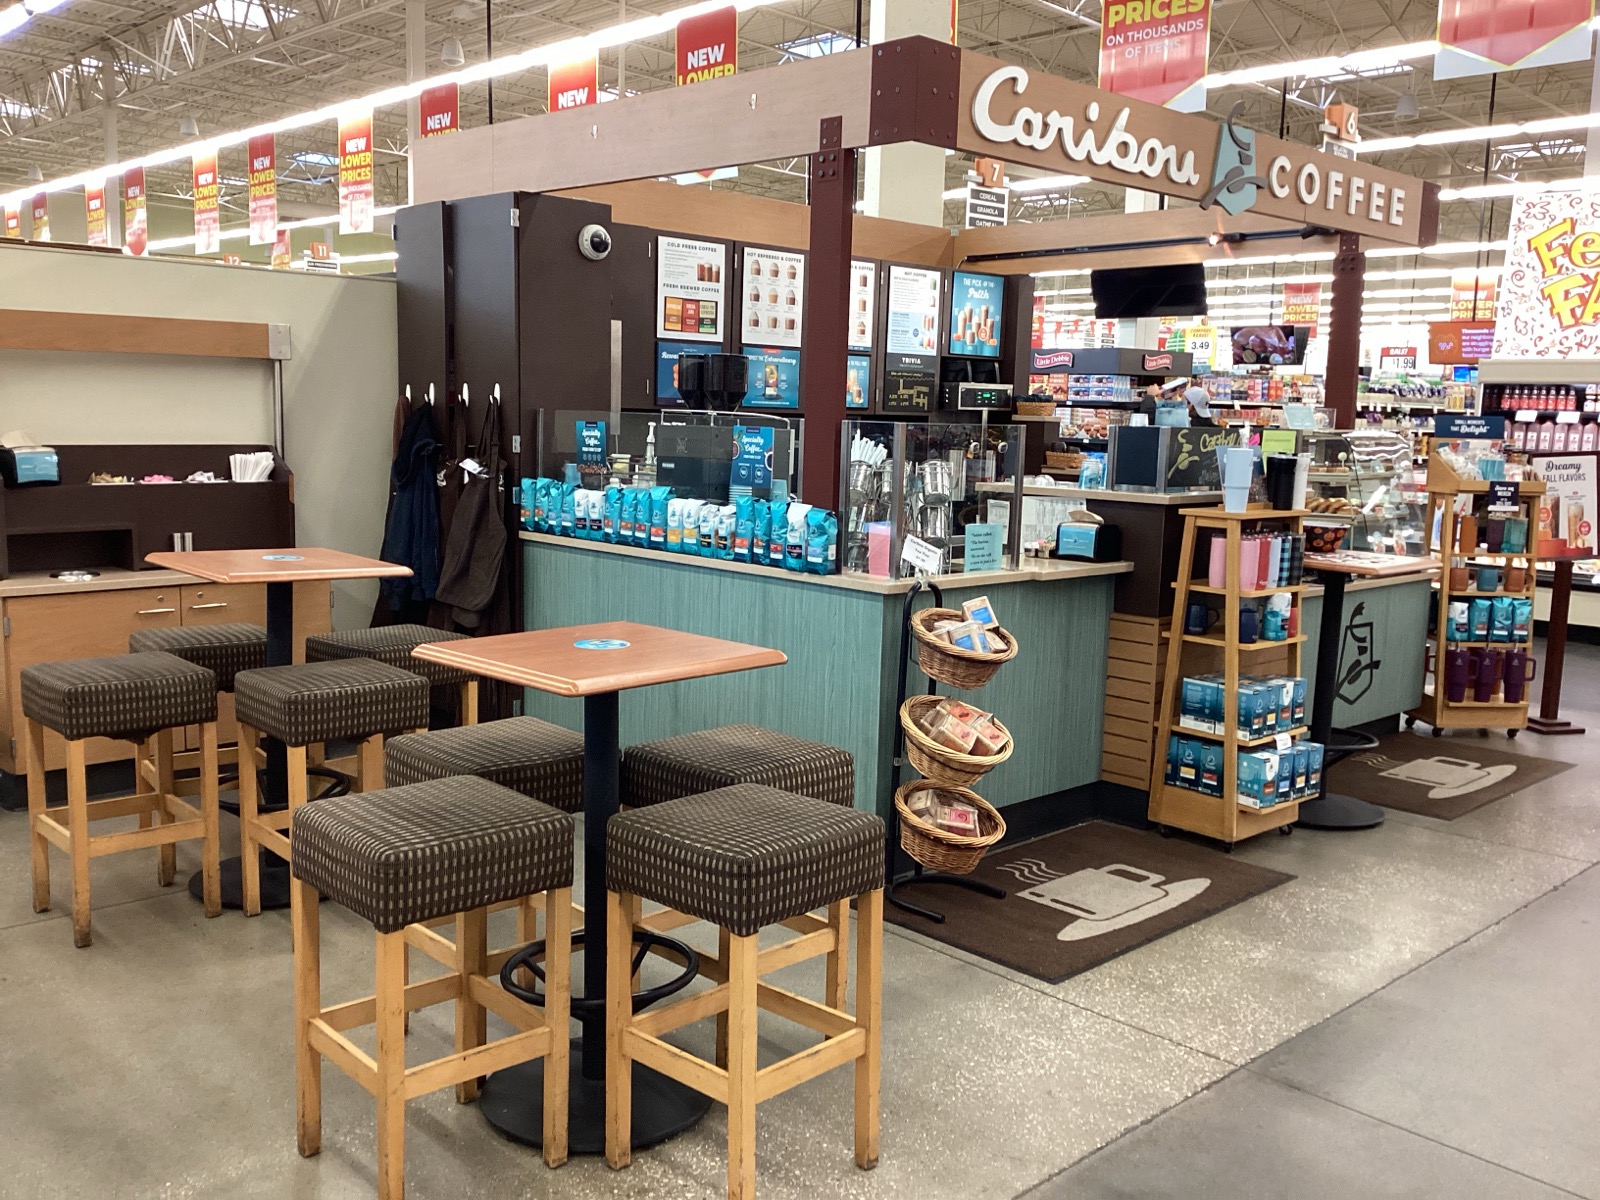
513,1104
274,883
1334,811
1330,810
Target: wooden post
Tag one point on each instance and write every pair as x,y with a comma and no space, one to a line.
833,198
1344,329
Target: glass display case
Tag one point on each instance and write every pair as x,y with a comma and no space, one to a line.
1366,478
899,479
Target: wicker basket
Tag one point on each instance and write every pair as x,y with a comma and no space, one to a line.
940,763
1034,408
1065,460
938,849
951,664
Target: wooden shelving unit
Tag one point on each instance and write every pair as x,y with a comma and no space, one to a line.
1445,487
1221,817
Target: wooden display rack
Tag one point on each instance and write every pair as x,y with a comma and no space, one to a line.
1222,817
1445,486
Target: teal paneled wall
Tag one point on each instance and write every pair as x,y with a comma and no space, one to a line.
1398,615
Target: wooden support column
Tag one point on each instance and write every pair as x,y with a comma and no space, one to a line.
1344,330
833,197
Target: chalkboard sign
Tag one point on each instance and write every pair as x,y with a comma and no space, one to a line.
1192,463
908,383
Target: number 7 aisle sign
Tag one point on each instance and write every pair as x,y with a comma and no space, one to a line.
708,45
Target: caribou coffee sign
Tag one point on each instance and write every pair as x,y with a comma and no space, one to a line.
1056,124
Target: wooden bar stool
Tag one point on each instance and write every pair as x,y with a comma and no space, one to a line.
138,698
393,644
415,854
745,857
308,704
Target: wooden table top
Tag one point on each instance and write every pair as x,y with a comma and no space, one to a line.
287,565
587,660
1370,563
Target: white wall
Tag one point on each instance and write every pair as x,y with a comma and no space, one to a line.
339,387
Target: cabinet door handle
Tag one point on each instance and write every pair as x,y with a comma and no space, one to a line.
213,604
150,612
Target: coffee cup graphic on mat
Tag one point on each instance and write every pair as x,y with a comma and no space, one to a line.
1444,776
1101,898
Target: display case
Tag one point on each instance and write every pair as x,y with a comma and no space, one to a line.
1366,478
900,480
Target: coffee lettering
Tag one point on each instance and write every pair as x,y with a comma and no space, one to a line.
1278,177
1309,183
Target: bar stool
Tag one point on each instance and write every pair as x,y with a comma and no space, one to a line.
223,649
306,704
745,857
393,644
692,763
418,853
136,698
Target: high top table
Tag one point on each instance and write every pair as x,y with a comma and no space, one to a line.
280,570
596,662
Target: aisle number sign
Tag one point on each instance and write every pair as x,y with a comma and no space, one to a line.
1156,51
135,217
439,109
573,84
1550,284
708,45
355,172
263,159
207,227
94,203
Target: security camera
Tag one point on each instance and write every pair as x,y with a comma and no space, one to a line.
594,242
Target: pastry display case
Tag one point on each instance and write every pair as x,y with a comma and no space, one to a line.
1366,478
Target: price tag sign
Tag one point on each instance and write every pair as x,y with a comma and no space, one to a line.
1566,418
922,557
984,545
1284,742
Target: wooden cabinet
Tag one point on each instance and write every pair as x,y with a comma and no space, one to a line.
88,624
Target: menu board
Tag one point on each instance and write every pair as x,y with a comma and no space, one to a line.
975,314
689,289
774,296
858,381
863,288
913,311
774,380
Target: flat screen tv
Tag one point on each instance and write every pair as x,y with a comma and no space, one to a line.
1270,345
1172,291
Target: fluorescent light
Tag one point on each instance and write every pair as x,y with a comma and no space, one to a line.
1480,133
387,256
1487,191
1044,183
12,18
1331,64
242,231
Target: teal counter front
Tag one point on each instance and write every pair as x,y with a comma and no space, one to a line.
843,635
1384,638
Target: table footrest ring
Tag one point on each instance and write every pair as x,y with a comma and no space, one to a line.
528,957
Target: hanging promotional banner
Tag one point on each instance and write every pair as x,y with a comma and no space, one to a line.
94,205
440,109
40,211
263,160
280,251
1302,302
135,214
1157,51
207,224
1472,296
13,222
1480,37
708,45
355,172
573,84
1550,285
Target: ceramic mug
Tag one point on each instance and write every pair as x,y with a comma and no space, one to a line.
1488,579
1516,578
1199,619
1460,578
1249,625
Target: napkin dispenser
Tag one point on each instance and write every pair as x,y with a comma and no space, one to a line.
1087,538
23,464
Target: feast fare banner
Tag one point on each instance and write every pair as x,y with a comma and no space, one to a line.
708,45
1550,285
1156,51
1302,303
573,84
41,218
94,203
440,109
1057,126
355,172
1480,37
207,224
263,153
135,215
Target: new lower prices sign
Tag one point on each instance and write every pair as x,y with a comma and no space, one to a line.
1156,50
708,45
574,84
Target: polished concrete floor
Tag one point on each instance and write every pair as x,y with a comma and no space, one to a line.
1414,1015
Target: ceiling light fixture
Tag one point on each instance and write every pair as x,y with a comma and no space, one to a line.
451,54
1405,108
35,175
1330,64
1491,191
189,128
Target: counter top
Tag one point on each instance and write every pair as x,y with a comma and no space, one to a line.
1037,570
39,583
1103,494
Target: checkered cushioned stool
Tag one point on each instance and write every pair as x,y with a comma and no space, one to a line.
691,763
742,858
135,698
393,644
416,854
306,704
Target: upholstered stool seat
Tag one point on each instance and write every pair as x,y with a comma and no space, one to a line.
131,697
526,754
390,644
745,857
691,763
418,853
224,649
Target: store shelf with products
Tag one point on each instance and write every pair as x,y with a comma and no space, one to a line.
1547,417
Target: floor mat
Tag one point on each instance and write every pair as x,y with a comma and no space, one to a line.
1444,778
1085,895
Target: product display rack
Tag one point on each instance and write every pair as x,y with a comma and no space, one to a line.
1445,487
1172,806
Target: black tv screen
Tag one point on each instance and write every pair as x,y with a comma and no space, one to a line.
1173,291
1270,345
